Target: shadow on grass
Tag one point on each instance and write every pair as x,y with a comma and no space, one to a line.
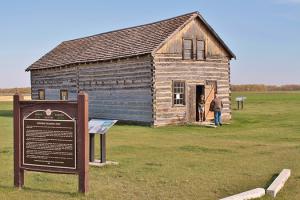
6,113
28,189
6,150
196,149
270,181
6,187
71,194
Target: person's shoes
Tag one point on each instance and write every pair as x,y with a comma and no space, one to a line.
221,124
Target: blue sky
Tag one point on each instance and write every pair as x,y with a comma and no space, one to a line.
264,34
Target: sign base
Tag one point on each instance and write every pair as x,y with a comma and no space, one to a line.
97,163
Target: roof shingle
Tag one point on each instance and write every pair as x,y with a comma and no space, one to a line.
111,45
122,43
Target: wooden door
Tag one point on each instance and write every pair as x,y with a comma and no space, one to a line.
192,103
210,90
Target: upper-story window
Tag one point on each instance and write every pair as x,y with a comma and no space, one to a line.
200,48
64,95
187,49
41,94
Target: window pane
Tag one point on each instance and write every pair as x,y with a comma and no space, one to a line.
187,49
187,44
200,45
178,93
64,95
200,55
200,50
41,95
187,54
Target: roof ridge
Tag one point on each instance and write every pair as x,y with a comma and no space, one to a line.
194,15
91,45
121,29
131,41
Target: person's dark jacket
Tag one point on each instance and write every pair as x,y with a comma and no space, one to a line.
216,105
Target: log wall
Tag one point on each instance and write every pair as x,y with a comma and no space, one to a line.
119,89
169,66
53,80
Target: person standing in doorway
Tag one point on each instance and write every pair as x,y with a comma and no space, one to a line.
201,105
217,106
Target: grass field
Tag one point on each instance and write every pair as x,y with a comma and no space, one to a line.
180,162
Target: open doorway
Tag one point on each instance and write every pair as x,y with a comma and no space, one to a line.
199,92
210,91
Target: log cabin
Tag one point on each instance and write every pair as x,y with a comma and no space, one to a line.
149,74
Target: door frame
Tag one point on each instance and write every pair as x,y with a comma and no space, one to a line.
197,96
213,83
192,101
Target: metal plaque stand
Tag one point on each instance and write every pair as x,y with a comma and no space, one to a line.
98,127
102,148
240,102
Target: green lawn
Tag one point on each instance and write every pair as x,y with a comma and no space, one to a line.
180,162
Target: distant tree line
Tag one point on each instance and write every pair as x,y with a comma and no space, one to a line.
234,88
264,88
11,91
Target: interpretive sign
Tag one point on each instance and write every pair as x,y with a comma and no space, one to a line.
100,126
49,139
240,102
51,136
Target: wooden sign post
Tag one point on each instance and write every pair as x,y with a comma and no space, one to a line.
51,136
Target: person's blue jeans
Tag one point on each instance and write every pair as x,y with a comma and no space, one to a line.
218,118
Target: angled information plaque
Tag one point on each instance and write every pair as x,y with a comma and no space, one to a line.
100,126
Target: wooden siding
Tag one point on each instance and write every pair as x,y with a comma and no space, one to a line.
195,30
53,80
119,89
194,73
169,66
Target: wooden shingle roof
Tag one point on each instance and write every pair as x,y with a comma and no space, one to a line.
122,43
